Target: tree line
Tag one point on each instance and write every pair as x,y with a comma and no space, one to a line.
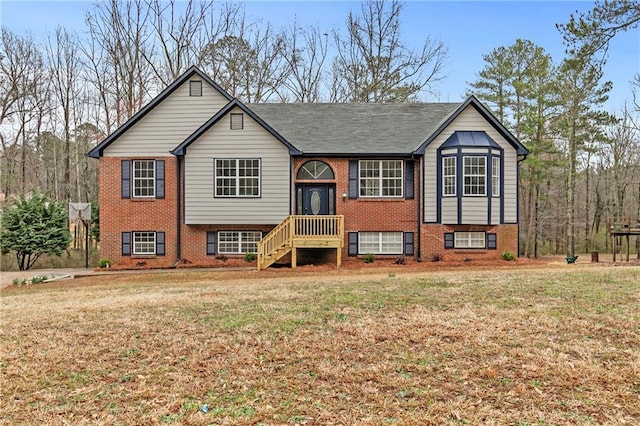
62,95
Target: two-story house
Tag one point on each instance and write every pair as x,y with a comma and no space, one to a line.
196,174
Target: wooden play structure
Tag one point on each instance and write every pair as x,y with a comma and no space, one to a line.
622,230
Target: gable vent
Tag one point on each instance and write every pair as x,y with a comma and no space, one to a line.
195,88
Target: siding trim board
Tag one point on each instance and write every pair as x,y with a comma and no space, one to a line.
98,151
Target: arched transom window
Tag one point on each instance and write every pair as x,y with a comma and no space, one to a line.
315,169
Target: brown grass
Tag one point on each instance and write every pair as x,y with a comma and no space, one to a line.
518,347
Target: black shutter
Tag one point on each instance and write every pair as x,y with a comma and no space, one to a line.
353,244
159,243
408,243
492,241
448,240
126,243
125,174
211,243
353,179
159,178
408,179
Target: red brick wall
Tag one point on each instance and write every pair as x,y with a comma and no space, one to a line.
367,214
119,215
432,241
194,241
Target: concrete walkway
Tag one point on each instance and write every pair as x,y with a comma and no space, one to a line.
7,277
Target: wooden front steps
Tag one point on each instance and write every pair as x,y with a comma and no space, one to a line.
301,231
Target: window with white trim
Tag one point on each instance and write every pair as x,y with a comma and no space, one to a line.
144,178
380,242
474,175
495,176
470,240
381,178
315,169
449,176
238,242
237,177
144,243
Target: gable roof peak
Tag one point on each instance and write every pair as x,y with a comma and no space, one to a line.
98,151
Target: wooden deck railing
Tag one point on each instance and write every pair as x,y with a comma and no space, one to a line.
303,231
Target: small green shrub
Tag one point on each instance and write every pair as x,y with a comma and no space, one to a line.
36,279
250,257
508,256
104,263
368,258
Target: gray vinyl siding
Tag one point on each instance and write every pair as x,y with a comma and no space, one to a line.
495,211
474,210
510,189
430,186
168,124
201,207
450,210
470,119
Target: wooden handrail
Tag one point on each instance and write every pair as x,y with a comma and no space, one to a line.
294,227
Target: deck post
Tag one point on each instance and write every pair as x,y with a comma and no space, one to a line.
294,257
338,257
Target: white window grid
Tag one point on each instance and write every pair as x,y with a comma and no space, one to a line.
237,177
238,242
144,243
380,242
495,176
381,178
449,176
315,170
144,178
470,239
475,171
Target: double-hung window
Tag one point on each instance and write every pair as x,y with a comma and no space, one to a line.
237,177
495,176
470,240
144,243
449,176
144,182
475,172
380,242
381,178
238,242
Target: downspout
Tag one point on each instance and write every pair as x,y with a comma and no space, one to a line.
418,204
178,209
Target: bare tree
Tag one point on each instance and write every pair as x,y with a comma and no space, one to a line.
248,62
64,62
373,64
305,52
119,52
23,83
180,34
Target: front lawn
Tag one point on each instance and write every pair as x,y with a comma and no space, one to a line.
518,347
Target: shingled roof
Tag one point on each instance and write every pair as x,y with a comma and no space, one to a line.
346,129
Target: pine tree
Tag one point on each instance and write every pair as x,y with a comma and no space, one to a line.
33,226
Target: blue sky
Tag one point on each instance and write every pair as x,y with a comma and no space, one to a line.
469,29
